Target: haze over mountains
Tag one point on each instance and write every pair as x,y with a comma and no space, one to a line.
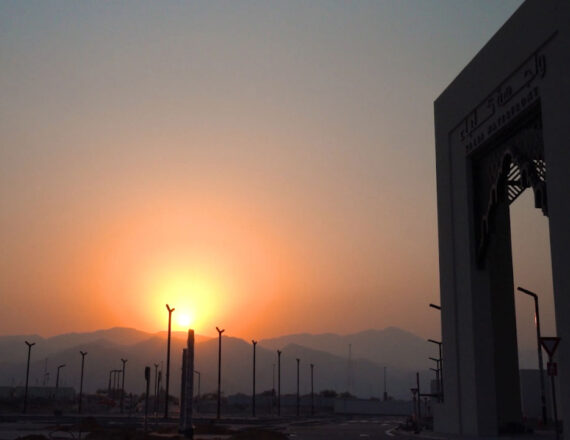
401,352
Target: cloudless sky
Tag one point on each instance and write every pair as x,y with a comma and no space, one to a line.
263,166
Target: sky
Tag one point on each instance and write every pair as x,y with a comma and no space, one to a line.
267,167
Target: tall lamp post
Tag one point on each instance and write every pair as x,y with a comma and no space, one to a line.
59,367
253,391
278,382
124,361
30,345
298,395
170,310
155,390
83,353
440,368
540,366
219,370
312,392
110,383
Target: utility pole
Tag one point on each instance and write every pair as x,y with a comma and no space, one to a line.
170,310
312,392
83,353
30,345
124,361
219,370
253,392
278,382
298,394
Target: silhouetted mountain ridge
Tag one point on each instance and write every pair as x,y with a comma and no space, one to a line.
328,352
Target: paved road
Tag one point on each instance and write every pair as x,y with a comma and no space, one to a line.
370,428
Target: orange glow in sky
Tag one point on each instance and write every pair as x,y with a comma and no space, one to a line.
264,167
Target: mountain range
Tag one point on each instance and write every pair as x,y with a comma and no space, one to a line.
401,352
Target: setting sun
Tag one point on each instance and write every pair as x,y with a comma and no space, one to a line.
193,291
185,320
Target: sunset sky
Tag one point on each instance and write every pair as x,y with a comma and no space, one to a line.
263,166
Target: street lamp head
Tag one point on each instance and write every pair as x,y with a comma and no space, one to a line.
61,366
220,331
124,361
83,353
528,292
170,310
254,342
435,306
434,359
30,344
434,341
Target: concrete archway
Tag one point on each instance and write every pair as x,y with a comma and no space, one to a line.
502,125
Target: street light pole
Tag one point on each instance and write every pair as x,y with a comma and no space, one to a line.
253,392
312,392
385,396
298,395
170,310
57,379
109,390
114,385
540,366
116,382
124,361
30,345
219,370
83,353
278,382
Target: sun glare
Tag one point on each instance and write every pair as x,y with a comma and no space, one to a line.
193,294
184,320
